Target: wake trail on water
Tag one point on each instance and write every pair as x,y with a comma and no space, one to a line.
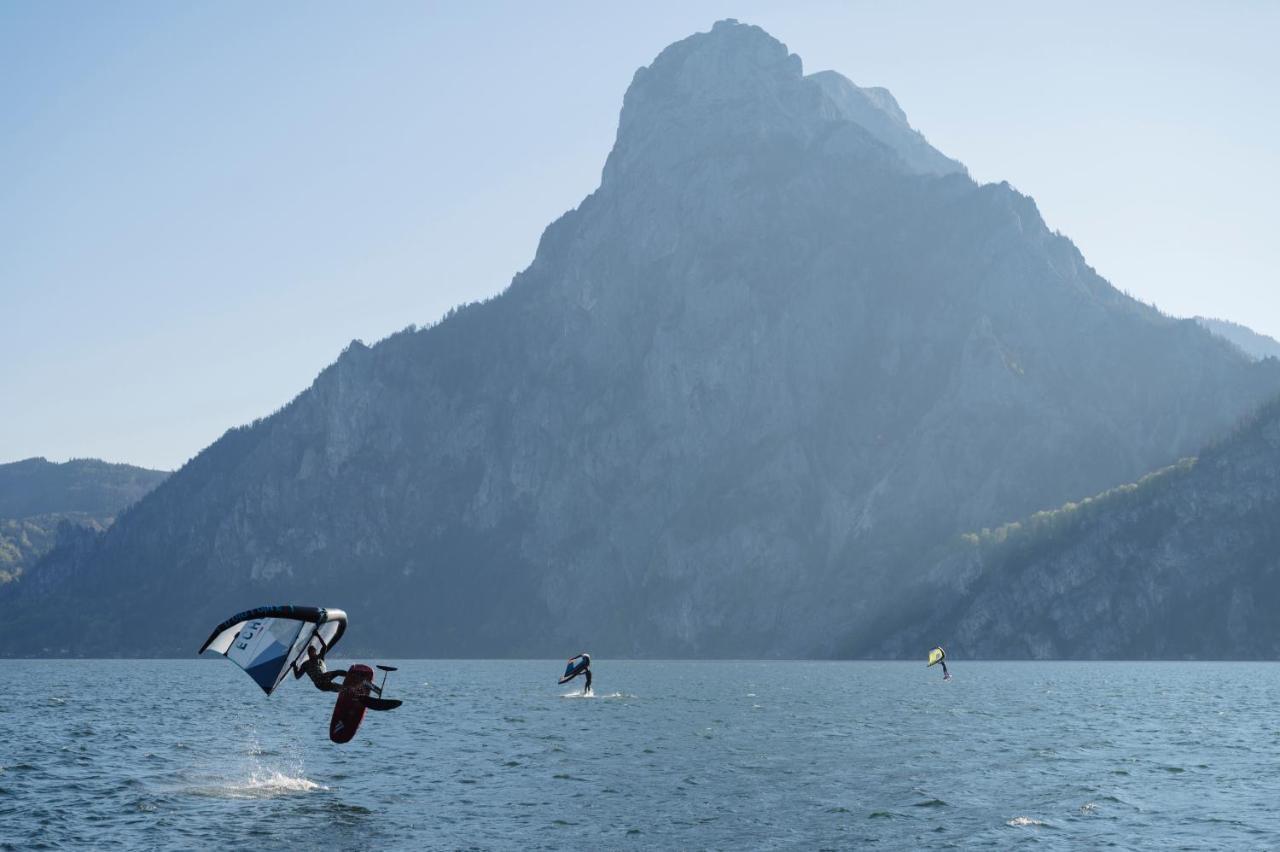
593,695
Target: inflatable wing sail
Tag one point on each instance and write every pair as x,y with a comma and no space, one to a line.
269,641
936,656
575,667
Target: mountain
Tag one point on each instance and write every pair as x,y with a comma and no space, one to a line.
1256,346
782,352
1183,564
40,501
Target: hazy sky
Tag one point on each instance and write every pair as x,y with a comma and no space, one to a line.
201,204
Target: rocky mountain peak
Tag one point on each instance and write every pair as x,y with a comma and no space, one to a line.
737,91
732,62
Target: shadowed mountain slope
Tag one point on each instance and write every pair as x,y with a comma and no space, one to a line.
1256,346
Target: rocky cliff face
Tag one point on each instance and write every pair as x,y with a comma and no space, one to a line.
781,352
1184,564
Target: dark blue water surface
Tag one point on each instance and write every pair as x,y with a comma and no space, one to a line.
688,755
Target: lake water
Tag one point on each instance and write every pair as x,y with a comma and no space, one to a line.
688,755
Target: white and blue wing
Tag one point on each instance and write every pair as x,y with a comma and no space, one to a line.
269,641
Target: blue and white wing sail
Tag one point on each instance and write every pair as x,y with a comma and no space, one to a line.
575,667
269,641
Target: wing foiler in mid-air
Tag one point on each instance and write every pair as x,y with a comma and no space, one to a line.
269,641
938,656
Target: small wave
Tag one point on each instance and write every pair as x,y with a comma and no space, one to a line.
341,807
1020,821
930,803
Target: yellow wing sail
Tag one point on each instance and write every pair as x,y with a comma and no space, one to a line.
936,656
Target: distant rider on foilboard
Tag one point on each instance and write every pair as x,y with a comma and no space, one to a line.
579,665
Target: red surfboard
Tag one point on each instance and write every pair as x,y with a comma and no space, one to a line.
348,713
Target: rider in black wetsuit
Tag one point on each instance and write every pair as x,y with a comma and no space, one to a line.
315,669
586,690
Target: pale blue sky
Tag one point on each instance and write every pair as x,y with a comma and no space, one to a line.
201,204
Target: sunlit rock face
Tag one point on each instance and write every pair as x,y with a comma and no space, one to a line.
783,351
1184,564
